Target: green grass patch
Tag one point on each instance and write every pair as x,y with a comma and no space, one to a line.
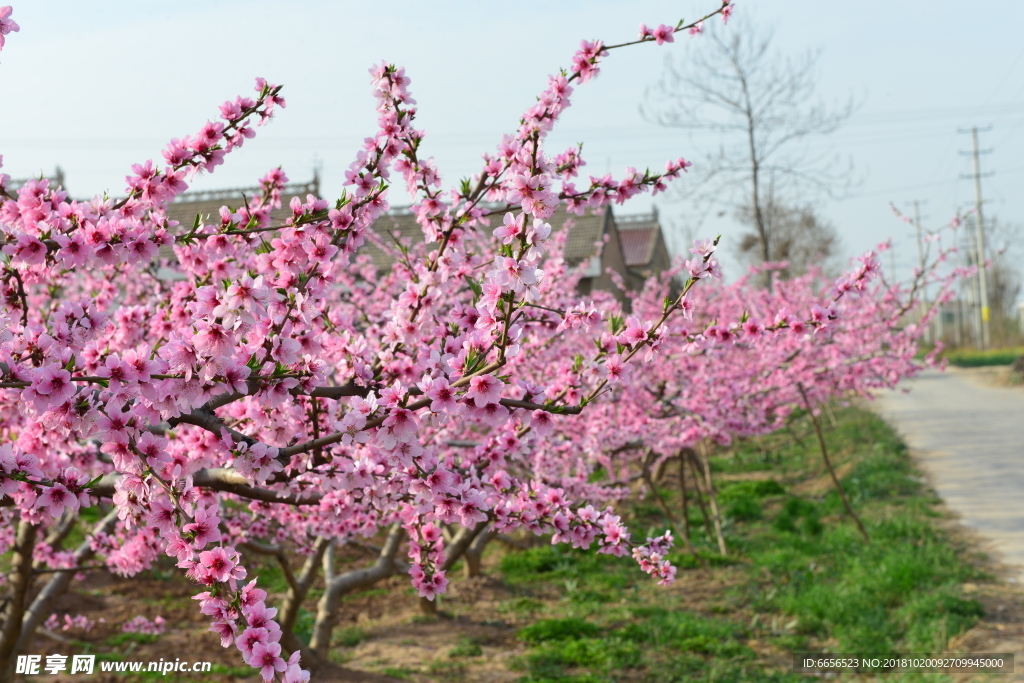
466,647
119,639
973,358
349,636
303,628
800,575
546,630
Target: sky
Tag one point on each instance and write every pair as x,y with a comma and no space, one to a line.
95,87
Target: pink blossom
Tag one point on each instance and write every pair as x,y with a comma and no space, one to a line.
442,396
7,25
204,529
218,563
55,498
54,383
511,228
635,332
727,9
484,389
663,34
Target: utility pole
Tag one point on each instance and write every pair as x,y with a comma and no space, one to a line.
985,337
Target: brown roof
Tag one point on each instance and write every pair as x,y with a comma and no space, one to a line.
639,236
638,245
400,223
57,179
207,203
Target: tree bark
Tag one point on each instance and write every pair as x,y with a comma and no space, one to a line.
42,606
337,586
298,588
713,501
695,467
831,470
685,498
475,552
664,506
20,583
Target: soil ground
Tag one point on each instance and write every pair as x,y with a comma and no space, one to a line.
746,612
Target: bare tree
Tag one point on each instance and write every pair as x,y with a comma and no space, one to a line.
1004,277
799,236
764,107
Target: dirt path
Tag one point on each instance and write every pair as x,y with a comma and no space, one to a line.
969,437
967,433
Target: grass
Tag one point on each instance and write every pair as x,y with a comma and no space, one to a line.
971,358
466,647
349,636
798,576
399,672
119,639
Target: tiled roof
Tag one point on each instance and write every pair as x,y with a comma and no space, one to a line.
639,236
584,232
638,245
56,179
207,203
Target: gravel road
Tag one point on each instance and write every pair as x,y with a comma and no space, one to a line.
969,438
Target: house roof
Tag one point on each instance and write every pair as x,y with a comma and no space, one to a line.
56,179
582,243
639,236
638,245
207,203
584,232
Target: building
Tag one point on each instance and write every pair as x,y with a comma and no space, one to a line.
631,246
207,203
593,239
643,247
56,180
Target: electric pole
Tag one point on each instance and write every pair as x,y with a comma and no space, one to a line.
979,225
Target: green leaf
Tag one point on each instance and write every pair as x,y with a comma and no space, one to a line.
478,290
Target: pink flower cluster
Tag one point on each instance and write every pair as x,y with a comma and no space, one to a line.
141,624
7,25
252,628
79,622
281,390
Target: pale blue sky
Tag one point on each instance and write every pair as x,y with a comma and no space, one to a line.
94,87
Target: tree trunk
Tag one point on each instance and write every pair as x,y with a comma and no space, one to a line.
699,493
685,499
716,516
20,583
475,552
340,585
828,463
42,606
298,588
